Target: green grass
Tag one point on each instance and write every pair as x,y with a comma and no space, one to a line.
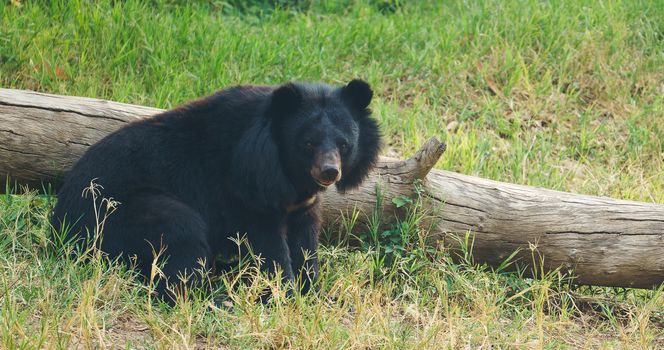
566,95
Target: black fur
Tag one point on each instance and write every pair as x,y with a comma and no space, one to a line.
234,162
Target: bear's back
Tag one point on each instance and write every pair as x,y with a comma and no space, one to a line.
174,151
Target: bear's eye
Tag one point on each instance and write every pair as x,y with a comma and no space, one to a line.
343,147
309,146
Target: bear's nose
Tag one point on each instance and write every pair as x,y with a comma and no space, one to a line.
329,173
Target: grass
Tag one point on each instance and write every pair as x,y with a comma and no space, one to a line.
566,95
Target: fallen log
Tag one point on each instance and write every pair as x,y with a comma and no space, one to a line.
604,241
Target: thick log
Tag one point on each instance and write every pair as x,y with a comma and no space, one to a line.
604,241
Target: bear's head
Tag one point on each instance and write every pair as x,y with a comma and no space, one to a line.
325,135
319,135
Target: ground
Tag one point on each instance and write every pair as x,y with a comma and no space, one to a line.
567,95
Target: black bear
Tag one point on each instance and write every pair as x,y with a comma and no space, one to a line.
246,160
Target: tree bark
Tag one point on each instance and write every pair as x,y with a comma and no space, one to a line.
601,241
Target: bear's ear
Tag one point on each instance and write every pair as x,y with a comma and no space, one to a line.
286,99
357,94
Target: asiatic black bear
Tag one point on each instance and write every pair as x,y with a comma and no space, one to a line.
248,159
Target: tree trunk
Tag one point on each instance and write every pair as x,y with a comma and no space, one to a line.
602,241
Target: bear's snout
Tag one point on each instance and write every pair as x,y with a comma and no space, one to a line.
329,173
327,168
